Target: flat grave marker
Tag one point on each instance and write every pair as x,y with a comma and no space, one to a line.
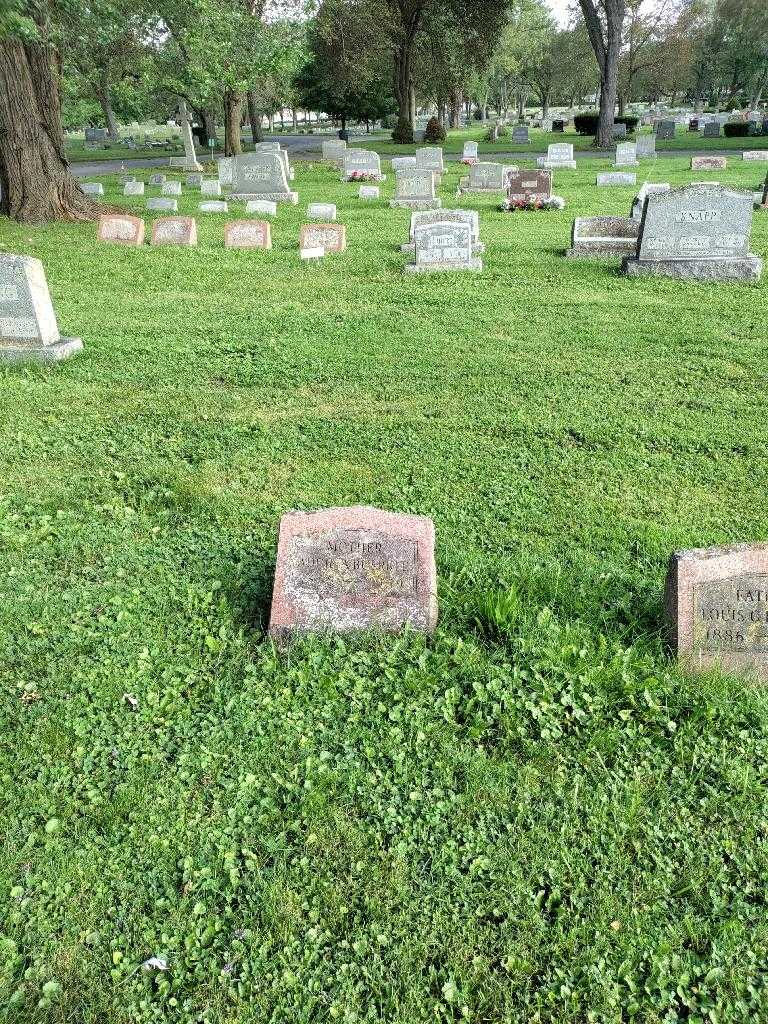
121,228
616,178
709,163
329,237
213,206
321,211
161,203
266,207
174,231
247,234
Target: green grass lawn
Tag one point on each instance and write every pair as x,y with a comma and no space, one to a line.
531,817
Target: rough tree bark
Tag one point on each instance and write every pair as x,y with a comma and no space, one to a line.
34,173
605,37
233,117
408,13
254,116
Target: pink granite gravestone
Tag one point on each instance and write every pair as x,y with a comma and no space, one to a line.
342,569
247,234
708,163
121,228
174,231
716,606
332,237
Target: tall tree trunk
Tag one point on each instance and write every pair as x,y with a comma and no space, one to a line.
34,174
254,116
403,77
209,119
605,30
233,117
105,102
295,116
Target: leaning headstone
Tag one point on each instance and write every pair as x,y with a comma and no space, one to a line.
626,155
321,211
210,188
755,154
520,135
529,186
346,569
559,154
174,231
266,207
121,228
28,327
486,177
369,192
415,190
247,234
213,206
665,129
616,178
171,188
261,176
445,245
133,188
421,217
92,188
362,163
159,203
645,147
716,609
712,130
603,237
333,150
329,237
430,158
646,189
709,163
698,233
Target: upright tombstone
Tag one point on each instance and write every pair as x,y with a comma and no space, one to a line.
529,186
213,206
133,188
347,569
716,609
161,203
402,163
333,151
646,189
430,158
445,245
626,155
712,130
645,147
415,190
328,237
698,233
190,159
760,155
486,176
195,180
156,179
120,228
421,217
709,163
28,327
619,130
558,125
261,176
520,135
362,164
559,155
599,237
469,153
95,134
210,187
224,165
171,188
665,129
247,234
174,231
321,211
92,188
266,207
369,192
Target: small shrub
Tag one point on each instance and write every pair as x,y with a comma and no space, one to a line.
434,132
403,133
586,124
735,130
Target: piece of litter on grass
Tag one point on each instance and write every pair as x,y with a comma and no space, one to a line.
155,963
131,701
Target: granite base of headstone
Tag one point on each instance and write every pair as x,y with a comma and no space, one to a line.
28,327
352,569
716,609
603,237
696,233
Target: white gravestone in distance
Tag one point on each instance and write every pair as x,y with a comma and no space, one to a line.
430,158
333,150
415,190
225,169
445,245
92,188
163,204
156,179
646,189
755,154
261,176
171,188
471,217
213,206
369,192
470,151
616,178
559,154
626,155
266,207
321,211
133,188
28,327
645,147
210,188
402,163
193,180
696,233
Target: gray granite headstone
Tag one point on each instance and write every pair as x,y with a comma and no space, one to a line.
700,232
665,130
28,327
645,147
421,217
446,245
430,158
362,163
415,190
626,155
92,188
160,203
603,237
261,175
520,135
712,130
